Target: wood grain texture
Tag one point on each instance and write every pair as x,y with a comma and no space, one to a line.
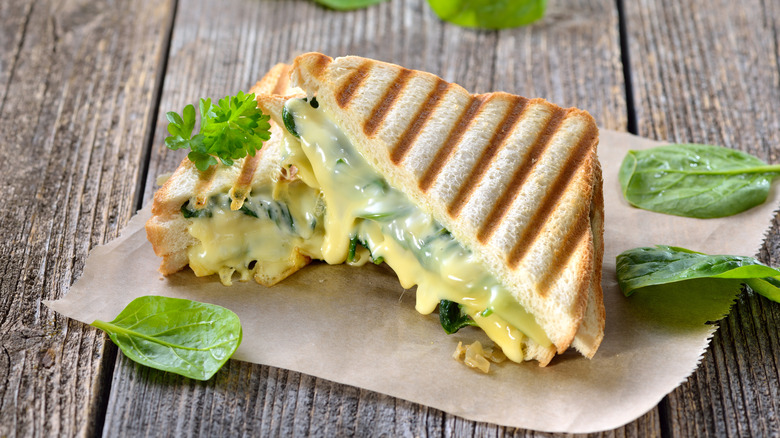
76,87
708,72
252,400
572,58
213,55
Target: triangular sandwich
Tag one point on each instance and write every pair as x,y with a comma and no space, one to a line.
490,202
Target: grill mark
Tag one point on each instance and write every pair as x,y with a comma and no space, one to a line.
499,210
241,188
203,185
453,138
319,64
244,181
554,194
387,101
283,81
496,143
348,88
406,139
564,253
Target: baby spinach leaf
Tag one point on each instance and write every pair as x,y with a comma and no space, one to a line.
695,180
181,336
489,14
247,211
188,212
452,318
662,265
768,287
289,122
345,5
353,243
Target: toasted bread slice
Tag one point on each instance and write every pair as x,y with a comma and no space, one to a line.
516,180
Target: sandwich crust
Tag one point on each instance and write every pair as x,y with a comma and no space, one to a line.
516,180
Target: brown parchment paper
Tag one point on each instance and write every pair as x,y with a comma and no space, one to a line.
358,326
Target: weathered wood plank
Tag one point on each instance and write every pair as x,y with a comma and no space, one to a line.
213,55
76,88
707,72
571,59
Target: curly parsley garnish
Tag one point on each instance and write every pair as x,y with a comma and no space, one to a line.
229,130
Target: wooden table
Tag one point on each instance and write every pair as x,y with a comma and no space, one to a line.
84,86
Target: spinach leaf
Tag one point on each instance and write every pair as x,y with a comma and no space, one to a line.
695,180
769,287
345,5
279,213
489,14
247,211
189,212
353,243
171,334
452,318
289,122
668,265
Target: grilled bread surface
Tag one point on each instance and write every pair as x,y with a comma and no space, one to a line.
516,180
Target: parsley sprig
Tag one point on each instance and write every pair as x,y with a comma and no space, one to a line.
229,130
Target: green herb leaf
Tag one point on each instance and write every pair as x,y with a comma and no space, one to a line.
247,211
189,212
354,243
180,128
452,318
232,129
289,122
171,334
346,5
667,265
695,180
489,14
769,287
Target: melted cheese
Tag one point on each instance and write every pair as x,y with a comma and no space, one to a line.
277,227
361,205
289,223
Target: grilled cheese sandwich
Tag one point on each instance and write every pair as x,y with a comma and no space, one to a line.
489,201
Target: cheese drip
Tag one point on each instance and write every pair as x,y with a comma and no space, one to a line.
360,204
277,227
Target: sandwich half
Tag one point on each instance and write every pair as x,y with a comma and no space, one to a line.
491,201
249,218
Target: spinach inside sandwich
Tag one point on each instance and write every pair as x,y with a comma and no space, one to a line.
362,207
